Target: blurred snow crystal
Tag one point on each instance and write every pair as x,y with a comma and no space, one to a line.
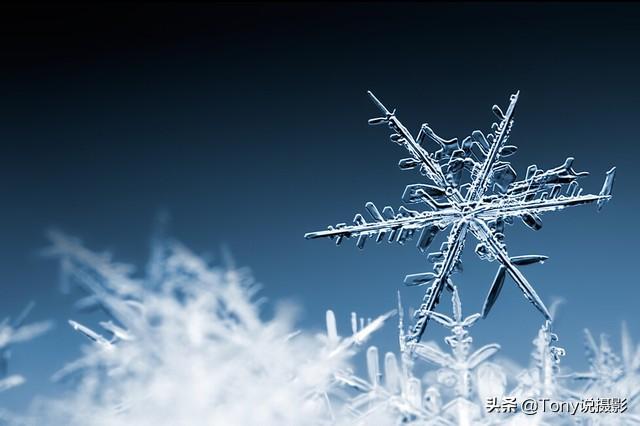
186,345
15,331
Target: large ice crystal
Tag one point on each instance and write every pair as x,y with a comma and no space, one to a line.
472,190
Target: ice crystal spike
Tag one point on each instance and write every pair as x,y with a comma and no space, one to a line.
472,190
12,332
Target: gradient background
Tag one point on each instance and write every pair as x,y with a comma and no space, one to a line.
248,124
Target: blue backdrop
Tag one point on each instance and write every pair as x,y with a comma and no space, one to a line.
248,124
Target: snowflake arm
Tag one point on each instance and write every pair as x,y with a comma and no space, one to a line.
428,165
498,281
397,227
484,234
519,209
480,184
438,281
552,201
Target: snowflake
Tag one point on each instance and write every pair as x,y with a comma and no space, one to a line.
471,191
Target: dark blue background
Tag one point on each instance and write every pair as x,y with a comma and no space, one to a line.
248,124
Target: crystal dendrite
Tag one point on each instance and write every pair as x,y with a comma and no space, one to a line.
473,190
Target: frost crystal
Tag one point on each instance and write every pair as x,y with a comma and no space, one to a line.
12,332
472,190
467,387
463,377
185,344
